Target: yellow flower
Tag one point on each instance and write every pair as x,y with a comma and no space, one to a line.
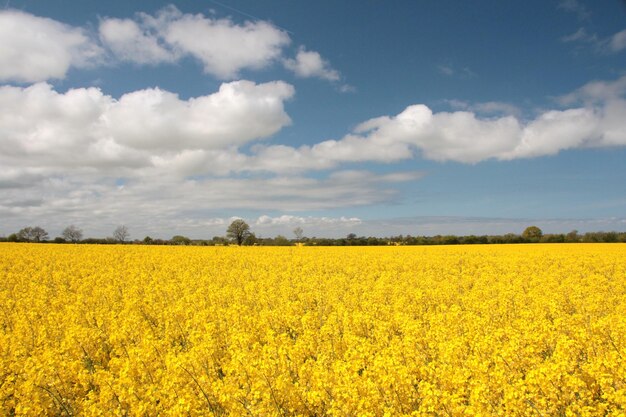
386,331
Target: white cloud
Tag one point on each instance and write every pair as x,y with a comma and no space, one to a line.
241,111
617,42
450,71
467,136
554,131
459,136
87,158
222,46
464,137
290,220
596,92
482,131
84,128
162,206
36,49
485,108
148,132
609,45
580,35
310,64
347,88
150,157
130,42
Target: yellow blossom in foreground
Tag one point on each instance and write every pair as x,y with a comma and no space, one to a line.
520,330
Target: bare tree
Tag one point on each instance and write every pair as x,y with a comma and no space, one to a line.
299,233
121,234
238,231
32,234
72,234
25,234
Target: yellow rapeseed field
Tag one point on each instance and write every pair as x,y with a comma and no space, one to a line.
527,330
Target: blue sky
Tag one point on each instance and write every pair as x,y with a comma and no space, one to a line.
378,118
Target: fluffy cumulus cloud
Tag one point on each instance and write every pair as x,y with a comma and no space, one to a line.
131,42
150,157
597,119
223,47
310,64
596,93
150,131
84,128
459,136
36,49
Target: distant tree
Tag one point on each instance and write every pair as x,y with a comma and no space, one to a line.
148,240
72,234
351,236
25,234
553,238
299,233
59,239
39,234
121,234
281,240
32,234
238,231
532,233
13,237
572,236
180,240
219,240
251,239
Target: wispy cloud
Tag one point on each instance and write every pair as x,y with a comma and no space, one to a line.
607,45
576,7
485,108
450,71
580,35
445,69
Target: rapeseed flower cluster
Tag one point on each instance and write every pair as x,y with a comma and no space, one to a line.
528,330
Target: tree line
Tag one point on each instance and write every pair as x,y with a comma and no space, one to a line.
239,233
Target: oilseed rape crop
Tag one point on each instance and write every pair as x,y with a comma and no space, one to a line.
518,330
